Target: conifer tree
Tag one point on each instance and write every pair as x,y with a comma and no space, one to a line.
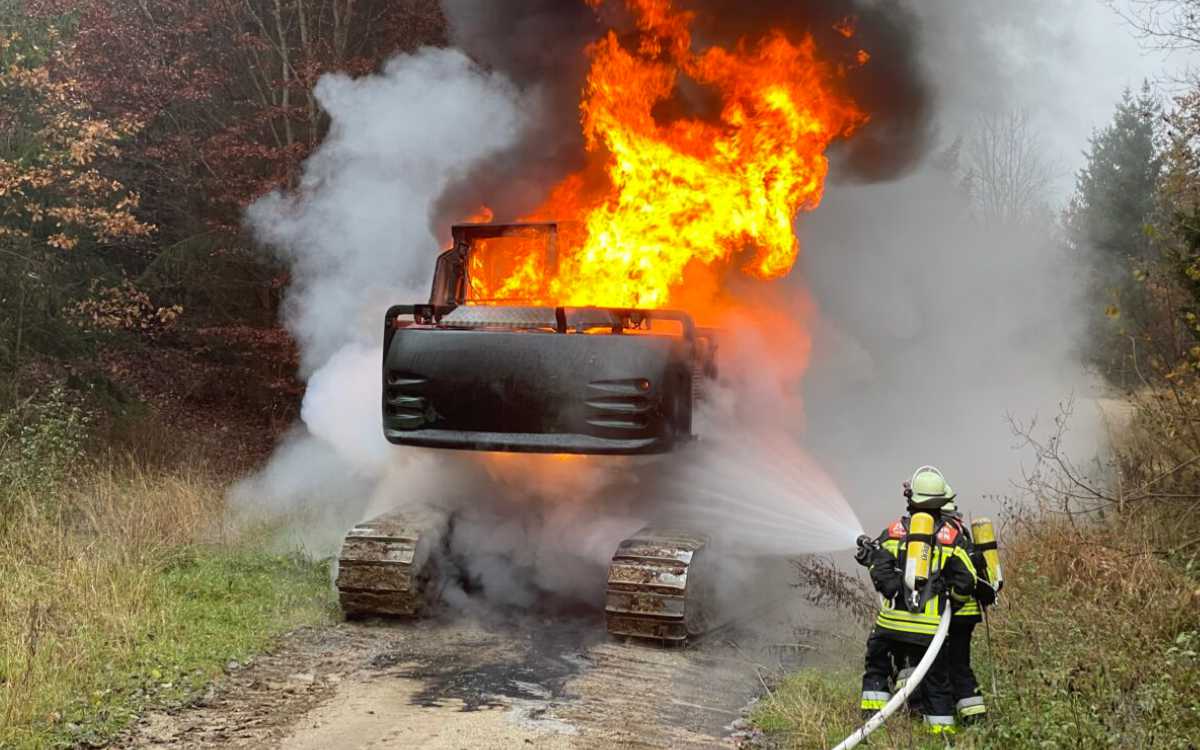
1108,218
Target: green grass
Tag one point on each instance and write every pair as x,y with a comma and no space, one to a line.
130,594
208,607
816,708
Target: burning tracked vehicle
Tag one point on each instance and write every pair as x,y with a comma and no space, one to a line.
484,374
576,331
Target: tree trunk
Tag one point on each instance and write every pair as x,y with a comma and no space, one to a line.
309,67
341,31
285,98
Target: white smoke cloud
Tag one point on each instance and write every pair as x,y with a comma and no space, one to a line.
934,328
358,237
357,232
1066,62
924,333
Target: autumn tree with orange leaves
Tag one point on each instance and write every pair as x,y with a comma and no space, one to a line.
134,134
224,92
224,88
58,203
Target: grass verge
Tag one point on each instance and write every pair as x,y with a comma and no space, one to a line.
1097,645
128,591
817,708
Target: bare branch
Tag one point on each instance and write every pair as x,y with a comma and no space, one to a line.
1162,24
1006,173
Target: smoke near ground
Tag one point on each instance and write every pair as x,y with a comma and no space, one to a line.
360,235
903,338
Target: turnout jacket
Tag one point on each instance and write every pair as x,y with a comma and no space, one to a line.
949,562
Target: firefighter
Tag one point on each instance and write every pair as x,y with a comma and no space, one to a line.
909,617
968,700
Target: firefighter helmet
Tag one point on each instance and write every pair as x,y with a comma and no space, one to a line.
928,489
951,495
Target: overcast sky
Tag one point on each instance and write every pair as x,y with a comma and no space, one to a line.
1065,61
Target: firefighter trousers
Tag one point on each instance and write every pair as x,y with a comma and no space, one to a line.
968,700
888,656
878,672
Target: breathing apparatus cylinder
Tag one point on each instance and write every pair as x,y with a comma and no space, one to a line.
920,550
984,535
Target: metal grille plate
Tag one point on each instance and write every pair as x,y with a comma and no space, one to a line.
482,316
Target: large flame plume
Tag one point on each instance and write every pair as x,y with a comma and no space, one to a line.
668,206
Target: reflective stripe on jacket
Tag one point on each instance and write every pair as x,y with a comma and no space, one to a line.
894,616
970,609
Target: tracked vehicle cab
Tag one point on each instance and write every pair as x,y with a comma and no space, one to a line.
497,264
492,363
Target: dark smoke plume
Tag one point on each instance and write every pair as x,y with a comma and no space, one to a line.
891,87
539,44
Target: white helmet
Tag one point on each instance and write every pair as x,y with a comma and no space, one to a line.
928,489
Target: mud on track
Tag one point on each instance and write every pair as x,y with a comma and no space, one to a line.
523,682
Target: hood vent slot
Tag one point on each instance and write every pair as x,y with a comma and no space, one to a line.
405,409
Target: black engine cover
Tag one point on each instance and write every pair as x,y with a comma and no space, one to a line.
536,390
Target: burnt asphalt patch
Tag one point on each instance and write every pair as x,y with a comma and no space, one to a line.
525,662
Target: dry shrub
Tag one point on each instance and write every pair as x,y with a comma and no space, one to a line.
128,589
150,442
1145,491
150,510
1157,469
1096,636
824,584
1086,639
1103,570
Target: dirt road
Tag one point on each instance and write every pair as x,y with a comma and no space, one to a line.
539,683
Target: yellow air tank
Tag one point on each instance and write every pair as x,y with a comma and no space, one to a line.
984,535
919,550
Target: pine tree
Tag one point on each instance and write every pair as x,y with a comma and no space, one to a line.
1108,218
1114,194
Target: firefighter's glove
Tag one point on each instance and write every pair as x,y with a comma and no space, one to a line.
866,548
985,593
937,585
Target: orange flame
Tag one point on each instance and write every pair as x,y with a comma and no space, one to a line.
665,209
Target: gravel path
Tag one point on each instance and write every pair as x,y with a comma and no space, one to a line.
522,682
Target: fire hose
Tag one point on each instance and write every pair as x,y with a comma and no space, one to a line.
903,693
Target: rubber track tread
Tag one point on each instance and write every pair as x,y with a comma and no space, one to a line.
648,587
376,572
